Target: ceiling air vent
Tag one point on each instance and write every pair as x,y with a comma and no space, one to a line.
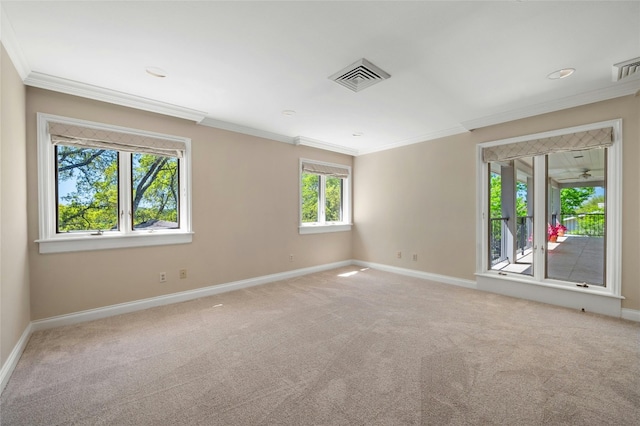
626,69
359,75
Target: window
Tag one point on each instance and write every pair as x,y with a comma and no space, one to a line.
102,186
324,197
551,209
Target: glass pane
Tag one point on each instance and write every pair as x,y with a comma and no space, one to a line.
86,189
576,216
333,199
511,216
310,197
155,193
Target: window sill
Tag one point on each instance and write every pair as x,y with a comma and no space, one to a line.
559,285
600,301
323,228
87,242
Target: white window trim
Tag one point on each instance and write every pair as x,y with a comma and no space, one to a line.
598,299
51,242
322,226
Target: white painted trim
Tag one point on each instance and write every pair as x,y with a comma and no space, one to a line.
51,242
70,87
14,357
314,143
10,43
418,274
105,241
614,210
631,314
138,305
238,128
320,229
347,206
459,129
614,91
128,307
569,297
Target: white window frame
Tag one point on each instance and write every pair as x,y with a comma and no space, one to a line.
321,225
50,241
604,300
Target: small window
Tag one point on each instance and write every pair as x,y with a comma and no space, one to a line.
102,186
324,197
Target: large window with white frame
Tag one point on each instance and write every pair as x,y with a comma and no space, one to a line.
325,201
550,212
103,186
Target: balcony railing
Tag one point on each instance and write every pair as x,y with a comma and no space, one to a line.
498,237
590,224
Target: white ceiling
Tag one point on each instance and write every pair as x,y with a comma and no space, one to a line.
454,66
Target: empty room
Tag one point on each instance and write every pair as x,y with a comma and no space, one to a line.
319,212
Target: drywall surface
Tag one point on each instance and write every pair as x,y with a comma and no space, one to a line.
422,198
14,260
245,210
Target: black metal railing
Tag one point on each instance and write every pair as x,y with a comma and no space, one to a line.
496,239
524,233
498,235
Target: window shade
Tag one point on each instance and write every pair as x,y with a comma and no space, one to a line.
569,142
72,135
321,169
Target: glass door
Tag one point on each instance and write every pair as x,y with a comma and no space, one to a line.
576,216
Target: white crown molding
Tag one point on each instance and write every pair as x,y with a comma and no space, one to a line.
70,87
238,128
10,43
314,143
615,91
424,138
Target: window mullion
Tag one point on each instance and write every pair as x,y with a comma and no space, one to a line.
321,201
540,204
124,193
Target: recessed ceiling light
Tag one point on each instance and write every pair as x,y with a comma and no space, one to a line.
565,72
289,112
156,72
357,134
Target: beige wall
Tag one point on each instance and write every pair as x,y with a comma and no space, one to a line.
415,199
422,198
245,217
14,266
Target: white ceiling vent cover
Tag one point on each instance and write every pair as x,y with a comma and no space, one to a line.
359,75
626,69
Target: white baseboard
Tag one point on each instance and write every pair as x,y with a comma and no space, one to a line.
418,274
122,308
631,314
14,356
138,305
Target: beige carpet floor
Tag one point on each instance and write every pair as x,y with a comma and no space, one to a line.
341,347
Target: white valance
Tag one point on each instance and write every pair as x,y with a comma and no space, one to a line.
86,137
326,170
598,138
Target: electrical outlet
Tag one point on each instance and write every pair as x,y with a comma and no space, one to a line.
415,257
399,255
183,274
290,258
163,277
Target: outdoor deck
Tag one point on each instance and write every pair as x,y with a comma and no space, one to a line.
577,259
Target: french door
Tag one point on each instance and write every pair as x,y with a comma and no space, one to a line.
550,208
